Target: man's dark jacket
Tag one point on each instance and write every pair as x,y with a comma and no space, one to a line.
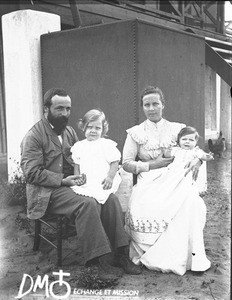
42,157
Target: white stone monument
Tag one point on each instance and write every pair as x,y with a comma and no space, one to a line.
21,32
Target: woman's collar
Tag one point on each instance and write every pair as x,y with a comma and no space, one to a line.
155,124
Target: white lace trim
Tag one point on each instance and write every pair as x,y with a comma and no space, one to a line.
155,136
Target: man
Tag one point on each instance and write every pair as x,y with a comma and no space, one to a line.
47,165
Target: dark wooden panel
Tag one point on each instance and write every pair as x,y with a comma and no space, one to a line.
106,66
96,66
175,62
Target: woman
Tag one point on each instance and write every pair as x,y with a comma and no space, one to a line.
165,226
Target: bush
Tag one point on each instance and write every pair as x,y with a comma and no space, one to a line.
14,192
23,223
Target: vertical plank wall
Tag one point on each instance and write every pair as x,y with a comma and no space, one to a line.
108,65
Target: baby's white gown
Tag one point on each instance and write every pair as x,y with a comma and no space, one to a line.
166,217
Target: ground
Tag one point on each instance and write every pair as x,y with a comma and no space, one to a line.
17,257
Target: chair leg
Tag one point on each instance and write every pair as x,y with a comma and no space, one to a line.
37,235
59,241
66,222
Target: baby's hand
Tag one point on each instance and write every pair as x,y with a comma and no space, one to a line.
193,166
210,156
107,183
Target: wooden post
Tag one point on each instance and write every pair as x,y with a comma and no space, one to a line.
221,17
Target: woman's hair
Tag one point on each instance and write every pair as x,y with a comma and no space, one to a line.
152,90
187,130
92,116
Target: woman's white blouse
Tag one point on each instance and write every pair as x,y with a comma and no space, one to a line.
147,141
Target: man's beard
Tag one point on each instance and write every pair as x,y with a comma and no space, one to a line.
59,123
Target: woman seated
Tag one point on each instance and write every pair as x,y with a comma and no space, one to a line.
166,215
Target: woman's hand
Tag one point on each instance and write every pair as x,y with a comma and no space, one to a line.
193,166
107,183
160,162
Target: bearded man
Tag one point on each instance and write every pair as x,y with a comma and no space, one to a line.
48,168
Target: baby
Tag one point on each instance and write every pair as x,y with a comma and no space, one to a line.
187,140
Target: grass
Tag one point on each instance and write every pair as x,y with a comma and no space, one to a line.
90,279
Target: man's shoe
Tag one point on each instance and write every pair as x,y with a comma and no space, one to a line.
198,273
92,262
128,266
108,269
108,258
102,275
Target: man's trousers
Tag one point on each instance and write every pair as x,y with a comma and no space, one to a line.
100,228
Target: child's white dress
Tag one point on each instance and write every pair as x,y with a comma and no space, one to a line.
94,158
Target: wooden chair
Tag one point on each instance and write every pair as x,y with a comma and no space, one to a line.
135,176
60,225
135,179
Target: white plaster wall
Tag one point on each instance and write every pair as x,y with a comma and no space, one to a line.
225,111
21,32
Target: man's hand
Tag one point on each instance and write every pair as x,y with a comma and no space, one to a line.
107,183
193,166
74,180
160,162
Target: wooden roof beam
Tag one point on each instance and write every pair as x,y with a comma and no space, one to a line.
218,64
75,13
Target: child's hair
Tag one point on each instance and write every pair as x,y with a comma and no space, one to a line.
187,130
92,116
